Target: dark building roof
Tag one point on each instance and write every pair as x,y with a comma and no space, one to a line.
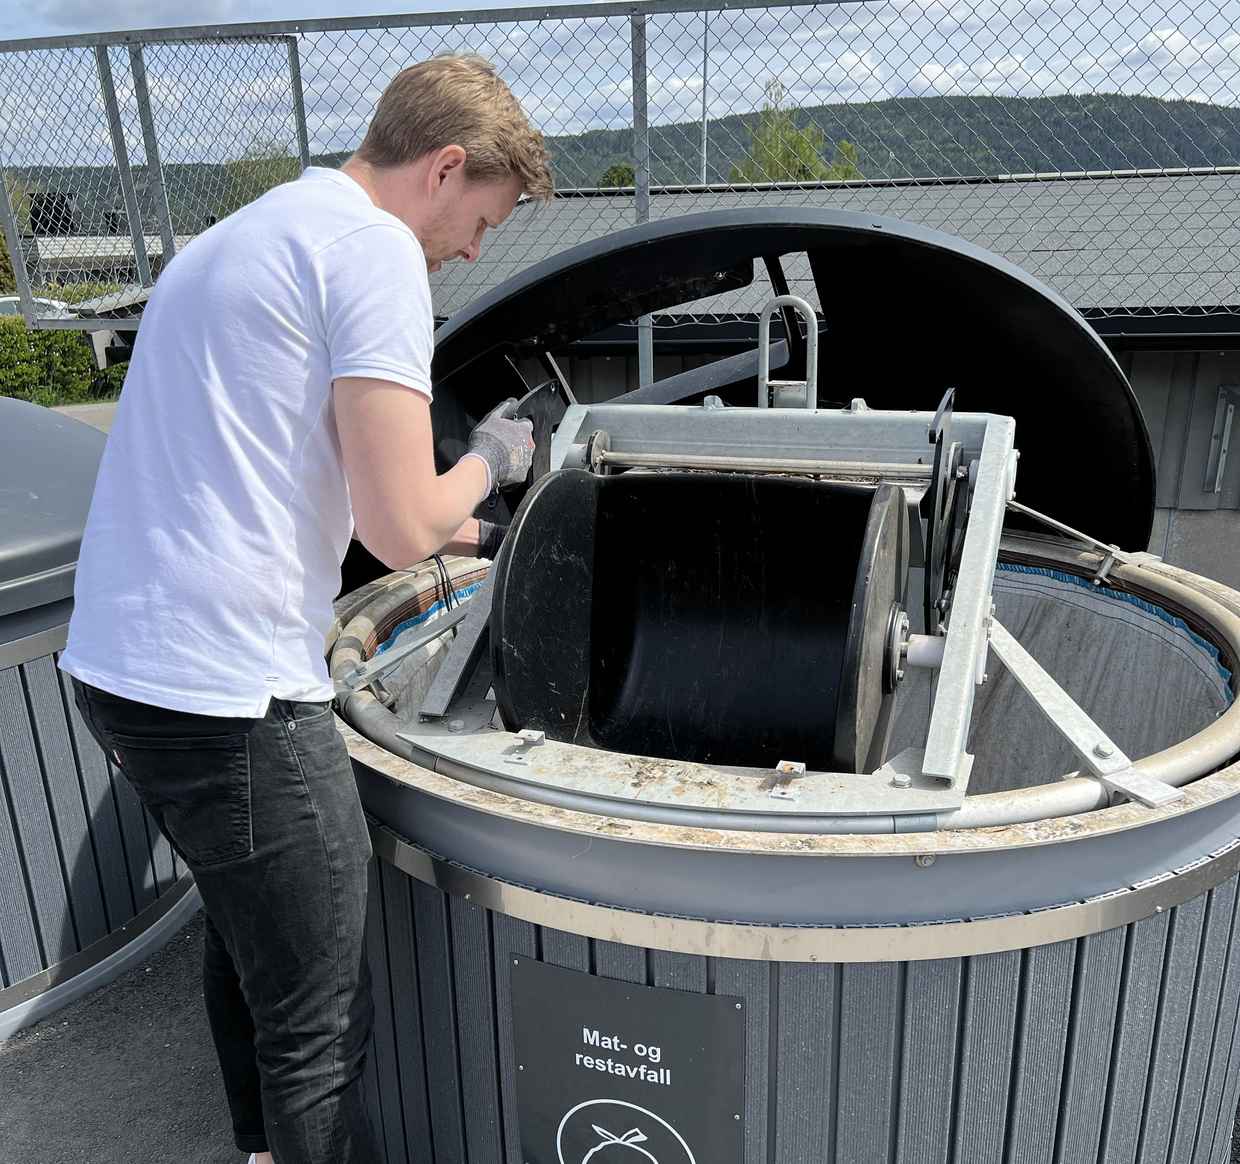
1127,244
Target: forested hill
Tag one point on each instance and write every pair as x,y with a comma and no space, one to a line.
905,137
943,137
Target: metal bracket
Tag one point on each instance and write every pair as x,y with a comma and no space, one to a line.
366,673
1103,757
782,788
798,393
527,740
1220,438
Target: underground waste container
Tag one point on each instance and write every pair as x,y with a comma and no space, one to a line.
822,770
88,885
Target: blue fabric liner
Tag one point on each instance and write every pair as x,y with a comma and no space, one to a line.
1119,596
461,594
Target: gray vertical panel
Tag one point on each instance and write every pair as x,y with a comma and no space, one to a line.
430,915
392,1126
51,730
1227,1111
1212,1113
678,971
1099,969
509,937
1046,1006
1178,371
101,813
1179,974
1209,373
20,957
20,761
751,982
871,997
624,963
406,1013
1150,377
1130,1060
161,855
370,1084
475,1012
928,1069
989,1022
805,1043
571,951
1205,1019
133,833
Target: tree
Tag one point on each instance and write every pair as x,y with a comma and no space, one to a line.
619,174
266,163
782,151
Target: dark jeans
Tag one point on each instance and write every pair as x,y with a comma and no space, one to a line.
265,812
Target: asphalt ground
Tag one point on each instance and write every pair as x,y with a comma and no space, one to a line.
128,1074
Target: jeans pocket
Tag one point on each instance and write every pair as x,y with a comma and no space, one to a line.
197,787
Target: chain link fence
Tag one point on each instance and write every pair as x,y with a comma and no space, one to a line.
1095,143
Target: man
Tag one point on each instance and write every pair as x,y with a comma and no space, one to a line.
278,398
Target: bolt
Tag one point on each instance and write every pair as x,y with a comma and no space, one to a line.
738,1006
1104,750
901,780
520,1066
924,860
736,1117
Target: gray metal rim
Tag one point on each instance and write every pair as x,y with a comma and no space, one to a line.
910,943
36,997
35,646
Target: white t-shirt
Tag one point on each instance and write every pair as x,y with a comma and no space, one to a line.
221,512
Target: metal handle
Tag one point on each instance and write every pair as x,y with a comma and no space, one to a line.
811,355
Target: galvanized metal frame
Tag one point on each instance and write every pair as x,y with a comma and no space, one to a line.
121,152
641,177
17,254
150,142
255,29
299,100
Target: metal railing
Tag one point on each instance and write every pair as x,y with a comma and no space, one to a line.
1094,143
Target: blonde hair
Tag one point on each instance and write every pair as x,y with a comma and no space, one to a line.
458,99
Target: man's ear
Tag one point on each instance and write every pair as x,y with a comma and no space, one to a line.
445,162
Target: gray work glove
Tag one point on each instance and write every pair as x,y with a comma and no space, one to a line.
504,445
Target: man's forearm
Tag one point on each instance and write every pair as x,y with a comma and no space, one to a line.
465,540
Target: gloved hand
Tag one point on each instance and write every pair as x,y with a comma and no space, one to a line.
504,445
490,538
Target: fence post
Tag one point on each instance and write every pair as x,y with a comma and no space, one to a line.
154,167
641,167
705,62
122,164
299,101
17,256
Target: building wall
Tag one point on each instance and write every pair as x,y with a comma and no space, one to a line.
1195,526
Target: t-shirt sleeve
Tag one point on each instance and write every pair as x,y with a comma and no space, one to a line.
377,315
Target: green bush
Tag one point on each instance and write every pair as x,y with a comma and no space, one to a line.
107,385
47,367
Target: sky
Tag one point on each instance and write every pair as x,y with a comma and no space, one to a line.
214,101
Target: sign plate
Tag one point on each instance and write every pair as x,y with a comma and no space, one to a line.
613,1073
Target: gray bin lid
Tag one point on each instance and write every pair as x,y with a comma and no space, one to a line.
48,464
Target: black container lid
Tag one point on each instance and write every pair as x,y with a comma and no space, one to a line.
48,464
907,313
